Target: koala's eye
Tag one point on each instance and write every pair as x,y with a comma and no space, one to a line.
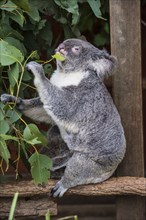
76,49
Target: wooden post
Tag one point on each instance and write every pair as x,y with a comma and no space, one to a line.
127,83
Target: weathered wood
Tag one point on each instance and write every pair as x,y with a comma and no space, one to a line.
100,210
113,186
31,207
126,46
38,207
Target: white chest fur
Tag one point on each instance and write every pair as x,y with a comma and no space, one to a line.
61,79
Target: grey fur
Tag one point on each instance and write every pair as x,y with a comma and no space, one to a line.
84,113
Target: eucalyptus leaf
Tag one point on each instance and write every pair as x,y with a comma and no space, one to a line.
72,7
8,6
18,17
6,30
4,152
1,115
95,6
33,136
13,74
34,11
40,167
8,137
24,4
33,141
9,54
58,56
13,115
16,43
4,127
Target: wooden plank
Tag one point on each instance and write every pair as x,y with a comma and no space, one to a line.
112,186
28,207
126,46
87,210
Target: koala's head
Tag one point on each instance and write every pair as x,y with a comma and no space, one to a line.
81,55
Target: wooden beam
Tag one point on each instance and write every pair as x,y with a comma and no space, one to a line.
113,186
127,86
28,207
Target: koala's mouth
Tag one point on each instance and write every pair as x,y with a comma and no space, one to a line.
61,49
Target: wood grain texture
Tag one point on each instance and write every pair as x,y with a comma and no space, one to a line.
126,46
28,207
113,186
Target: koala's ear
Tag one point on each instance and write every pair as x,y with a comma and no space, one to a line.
104,65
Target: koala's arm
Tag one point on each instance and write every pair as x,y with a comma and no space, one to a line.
56,101
32,108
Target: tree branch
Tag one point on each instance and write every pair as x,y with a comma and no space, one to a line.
113,186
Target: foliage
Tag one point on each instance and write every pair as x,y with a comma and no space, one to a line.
26,27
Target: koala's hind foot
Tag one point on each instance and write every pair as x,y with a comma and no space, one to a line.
80,170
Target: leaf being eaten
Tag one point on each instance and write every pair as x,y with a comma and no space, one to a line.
58,56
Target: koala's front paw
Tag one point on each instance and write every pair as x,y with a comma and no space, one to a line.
34,67
58,190
6,98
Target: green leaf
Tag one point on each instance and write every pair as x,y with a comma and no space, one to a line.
34,11
4,152
95,6
1,115
4,127
33,141
13,74
70,6
18,17
24,4
13,115
6,30
9,6
40,167
33,136
58,56
9,54
16,43
8,137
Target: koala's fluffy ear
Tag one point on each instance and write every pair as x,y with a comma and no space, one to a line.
104,65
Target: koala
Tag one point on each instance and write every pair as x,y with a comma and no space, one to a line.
76,101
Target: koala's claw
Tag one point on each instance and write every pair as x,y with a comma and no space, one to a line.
58,190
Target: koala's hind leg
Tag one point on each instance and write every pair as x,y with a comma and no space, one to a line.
80,170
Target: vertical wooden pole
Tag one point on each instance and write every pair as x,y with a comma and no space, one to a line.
127,89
